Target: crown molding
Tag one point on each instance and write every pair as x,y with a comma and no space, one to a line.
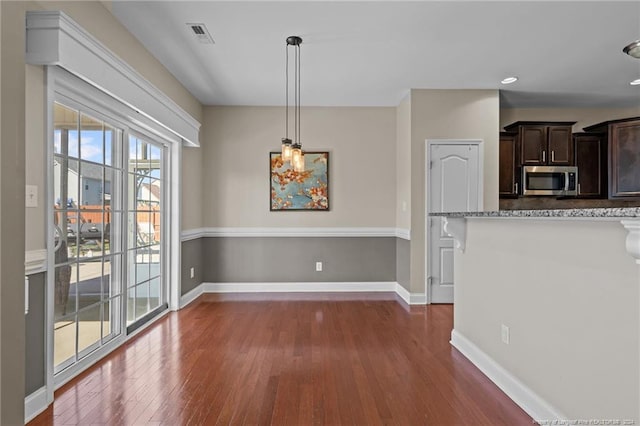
53,38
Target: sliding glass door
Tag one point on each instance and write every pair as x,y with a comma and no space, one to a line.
145,252
108,233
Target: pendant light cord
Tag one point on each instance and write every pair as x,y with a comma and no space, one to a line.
286,74
299,93
295,97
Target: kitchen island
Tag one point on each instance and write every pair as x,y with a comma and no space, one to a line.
547,305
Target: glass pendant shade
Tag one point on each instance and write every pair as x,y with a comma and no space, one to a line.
286,150
299,167
297,159
298,164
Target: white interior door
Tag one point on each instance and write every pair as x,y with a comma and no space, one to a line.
454,184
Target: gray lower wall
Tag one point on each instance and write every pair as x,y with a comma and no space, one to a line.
35,334
192,255
403,277
293,259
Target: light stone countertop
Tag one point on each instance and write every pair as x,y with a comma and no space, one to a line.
627,212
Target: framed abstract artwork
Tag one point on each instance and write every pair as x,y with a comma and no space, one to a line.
307,190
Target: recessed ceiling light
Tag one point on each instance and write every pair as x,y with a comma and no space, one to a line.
633,49
509,80
635,82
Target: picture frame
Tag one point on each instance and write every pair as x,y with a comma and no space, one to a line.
299,191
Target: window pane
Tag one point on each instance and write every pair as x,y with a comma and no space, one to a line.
145,229
110,176
65,183
110,283
111,318
90,284
109,154
142,300
91,139
154,261
65,135
89,327
142,265
64,335
155,152
91,188
155,193
64,276
155,293
144,193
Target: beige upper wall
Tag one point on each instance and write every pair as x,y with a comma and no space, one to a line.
584,116
97,20
362,174
191,188
403,164
448,114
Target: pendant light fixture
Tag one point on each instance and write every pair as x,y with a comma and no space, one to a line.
292,149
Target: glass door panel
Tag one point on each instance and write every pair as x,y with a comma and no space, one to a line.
145,289
87,249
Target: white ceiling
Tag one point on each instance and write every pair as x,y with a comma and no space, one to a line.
566,54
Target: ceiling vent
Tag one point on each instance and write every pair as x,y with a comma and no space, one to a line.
201,33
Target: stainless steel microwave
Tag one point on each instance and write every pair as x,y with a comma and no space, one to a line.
559,181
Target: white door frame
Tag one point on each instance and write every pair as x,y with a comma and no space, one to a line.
427,199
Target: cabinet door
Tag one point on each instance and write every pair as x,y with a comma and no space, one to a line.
533,145
509,170
591,167
560,146
624,159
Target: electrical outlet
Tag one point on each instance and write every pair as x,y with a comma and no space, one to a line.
193,272
318,266
505,334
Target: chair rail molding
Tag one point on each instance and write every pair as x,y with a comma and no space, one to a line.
192,234
35,261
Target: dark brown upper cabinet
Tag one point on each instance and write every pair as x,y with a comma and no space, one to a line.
591,159
623,140
509,167
544,143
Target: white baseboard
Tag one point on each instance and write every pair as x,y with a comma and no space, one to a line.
35,404
191,295
411,298
528,400
306,287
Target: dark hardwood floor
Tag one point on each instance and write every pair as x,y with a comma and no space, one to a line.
288,359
